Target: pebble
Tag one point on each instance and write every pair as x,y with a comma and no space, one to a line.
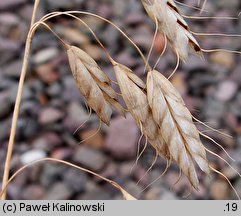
47,73
127,132
50,115
51,173
94,51
219,190
179,83
53,5
33,192
229,172
223,58
54,90
232,4
32,155
5,129
226,90
8,19
77,113
13,69
168,195
134,18
95,192
126,58
59,191
47,141
154,193
75,180
45,55
237,186
96,141
214,109
7,4
73,35
90,158
133,189
14,191
27,128
235,75
70,91
5,107
61,153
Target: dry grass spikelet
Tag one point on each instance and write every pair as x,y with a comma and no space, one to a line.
93,84
176,125
133,91
172,26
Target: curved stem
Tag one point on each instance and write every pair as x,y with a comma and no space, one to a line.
87,26
126,195
54,14
18,102
53,32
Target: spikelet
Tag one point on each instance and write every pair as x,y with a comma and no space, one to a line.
134,94
177,127
93,83
173,26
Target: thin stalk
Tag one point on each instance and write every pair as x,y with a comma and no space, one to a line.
18,102
35,9
126,195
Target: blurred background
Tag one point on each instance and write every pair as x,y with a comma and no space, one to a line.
52,107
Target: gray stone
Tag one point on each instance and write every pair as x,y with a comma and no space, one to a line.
75,180
95,192
77,113
133,189
70,91
7,4
60,4
13,69
8,19
47,141
90,158
122,137
32,155
226,90
5,104
51,173
50,115
5,129
45,55
33,192
59,191
54,90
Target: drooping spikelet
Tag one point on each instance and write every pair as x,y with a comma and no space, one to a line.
93,83
173,26
176,125
133,91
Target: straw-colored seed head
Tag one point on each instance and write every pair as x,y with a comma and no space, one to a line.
93,83
176,125
134,95
173,26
